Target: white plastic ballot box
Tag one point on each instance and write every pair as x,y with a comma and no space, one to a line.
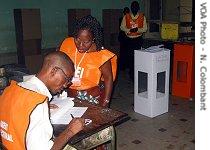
151,81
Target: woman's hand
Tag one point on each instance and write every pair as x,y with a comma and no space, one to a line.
105,102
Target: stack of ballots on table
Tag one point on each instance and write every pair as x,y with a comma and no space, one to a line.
63,114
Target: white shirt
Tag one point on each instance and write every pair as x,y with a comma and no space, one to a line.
40,131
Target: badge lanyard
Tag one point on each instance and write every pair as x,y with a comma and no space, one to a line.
75,59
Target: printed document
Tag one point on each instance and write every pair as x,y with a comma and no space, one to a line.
62,114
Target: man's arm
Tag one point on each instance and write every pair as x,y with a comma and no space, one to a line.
123,26
40,131
144,28
73,128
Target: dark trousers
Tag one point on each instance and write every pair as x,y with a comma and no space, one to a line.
131,45
123,51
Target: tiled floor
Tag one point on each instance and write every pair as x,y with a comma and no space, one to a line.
174,130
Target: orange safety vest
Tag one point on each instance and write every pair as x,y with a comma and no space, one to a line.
16,105
90,74
137,23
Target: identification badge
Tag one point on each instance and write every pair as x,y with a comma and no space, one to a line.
76,81
133,24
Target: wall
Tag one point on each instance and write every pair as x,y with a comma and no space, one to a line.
53,18
171,10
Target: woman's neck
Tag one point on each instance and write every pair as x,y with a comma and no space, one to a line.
92,48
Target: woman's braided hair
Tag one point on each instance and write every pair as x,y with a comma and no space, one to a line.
90,23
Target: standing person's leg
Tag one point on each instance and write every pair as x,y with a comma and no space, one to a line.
123,52
127,50
120,62
131,58
129,53
140,41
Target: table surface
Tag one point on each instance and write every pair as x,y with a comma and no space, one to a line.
101,119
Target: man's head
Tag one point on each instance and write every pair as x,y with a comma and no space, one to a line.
135,7
56,72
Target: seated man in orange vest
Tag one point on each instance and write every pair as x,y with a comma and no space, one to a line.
93,63
134,25
24,112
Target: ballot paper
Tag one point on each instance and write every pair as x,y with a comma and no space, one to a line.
62,115
63,95
154,49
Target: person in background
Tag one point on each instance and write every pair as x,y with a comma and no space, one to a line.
95,66
24,111
122,38
134,25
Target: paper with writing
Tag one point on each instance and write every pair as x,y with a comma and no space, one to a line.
62,115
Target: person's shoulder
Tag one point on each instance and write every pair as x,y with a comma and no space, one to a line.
141,14
68,39
28,90
33,85
128,15
107,52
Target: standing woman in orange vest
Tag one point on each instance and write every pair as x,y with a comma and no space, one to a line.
95,67
134,25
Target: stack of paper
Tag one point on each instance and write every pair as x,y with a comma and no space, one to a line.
62,115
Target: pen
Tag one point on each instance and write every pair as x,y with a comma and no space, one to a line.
72,116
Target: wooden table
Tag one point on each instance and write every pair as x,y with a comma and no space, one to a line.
101,119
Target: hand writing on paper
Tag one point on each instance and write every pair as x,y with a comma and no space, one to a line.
73,128
76,125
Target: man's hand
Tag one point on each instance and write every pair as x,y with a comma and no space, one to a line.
76,125
73,128
53,106
134,30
